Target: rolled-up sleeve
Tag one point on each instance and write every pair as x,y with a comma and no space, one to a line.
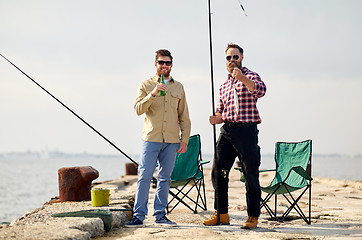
260,87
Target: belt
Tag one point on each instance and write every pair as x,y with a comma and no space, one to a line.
240,124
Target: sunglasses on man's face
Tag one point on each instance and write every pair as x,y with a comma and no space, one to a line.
167,63
236,57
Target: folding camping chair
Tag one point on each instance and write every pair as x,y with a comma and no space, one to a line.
293,172
188,175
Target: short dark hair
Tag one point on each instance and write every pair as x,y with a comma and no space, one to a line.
163,52
233,45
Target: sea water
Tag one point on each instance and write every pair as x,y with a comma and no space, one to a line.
27,183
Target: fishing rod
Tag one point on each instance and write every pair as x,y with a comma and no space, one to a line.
212,75
213,99
213,107
75,114
241,5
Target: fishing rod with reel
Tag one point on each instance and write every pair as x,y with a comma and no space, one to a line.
213,98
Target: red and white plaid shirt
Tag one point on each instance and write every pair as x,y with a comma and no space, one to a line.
248,112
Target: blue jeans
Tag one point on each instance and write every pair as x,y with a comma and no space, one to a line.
165,155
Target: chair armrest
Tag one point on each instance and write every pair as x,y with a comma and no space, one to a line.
299,170
302,172
242,177
267,170
202,162
263,170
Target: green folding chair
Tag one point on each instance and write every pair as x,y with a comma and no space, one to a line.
188,177
293,172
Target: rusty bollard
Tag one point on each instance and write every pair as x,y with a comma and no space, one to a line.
75,183
131,169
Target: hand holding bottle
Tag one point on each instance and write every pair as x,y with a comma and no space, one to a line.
163,92
160,87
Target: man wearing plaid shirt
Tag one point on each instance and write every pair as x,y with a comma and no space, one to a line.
238,137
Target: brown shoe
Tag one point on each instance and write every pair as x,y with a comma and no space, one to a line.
224,219
250,223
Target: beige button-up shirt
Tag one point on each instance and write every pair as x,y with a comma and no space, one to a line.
165,117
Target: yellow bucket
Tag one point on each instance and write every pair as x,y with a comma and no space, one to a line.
100,197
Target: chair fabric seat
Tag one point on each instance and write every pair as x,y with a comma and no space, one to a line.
178,183
280,188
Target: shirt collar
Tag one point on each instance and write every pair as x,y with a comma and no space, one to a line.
231,79
158,79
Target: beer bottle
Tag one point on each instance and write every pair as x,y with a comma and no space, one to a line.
162,93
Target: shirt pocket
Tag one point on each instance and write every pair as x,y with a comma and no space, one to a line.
175,99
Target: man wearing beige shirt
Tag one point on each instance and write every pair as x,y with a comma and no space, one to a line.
165,118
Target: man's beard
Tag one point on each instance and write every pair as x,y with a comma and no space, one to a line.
165,73
231,65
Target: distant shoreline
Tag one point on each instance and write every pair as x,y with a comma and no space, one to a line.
45,154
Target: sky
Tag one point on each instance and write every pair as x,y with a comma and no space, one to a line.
92,55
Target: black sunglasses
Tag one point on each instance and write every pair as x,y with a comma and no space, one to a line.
167,63
236,57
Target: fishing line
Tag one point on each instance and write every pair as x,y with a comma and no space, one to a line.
95,130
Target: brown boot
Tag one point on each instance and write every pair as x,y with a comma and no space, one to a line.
250,223
224,219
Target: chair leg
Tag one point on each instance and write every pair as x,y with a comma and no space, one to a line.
180,196
203,187
310,201
266,206
198,188
294,205
175,196
276,205
180,200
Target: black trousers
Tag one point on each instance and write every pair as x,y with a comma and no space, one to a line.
240,141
